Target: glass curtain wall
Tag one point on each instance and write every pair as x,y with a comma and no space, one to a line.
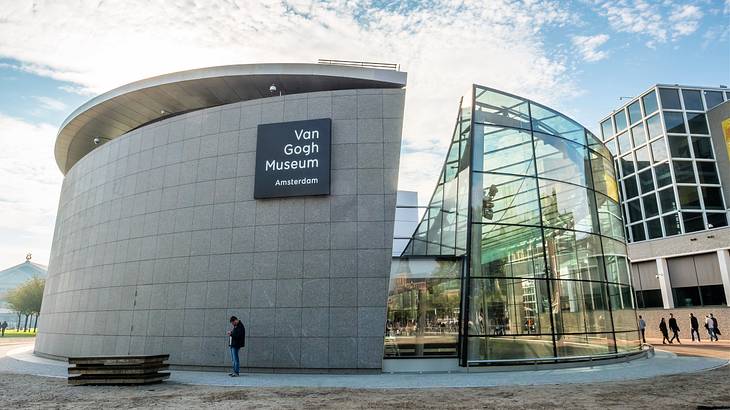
546,273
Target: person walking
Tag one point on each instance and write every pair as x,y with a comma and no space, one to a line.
674,328
642,329
3,326
665,332
715,326
710,326
236,340
695,327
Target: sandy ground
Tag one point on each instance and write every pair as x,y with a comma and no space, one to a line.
702,390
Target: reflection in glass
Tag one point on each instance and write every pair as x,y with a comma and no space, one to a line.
506,150
642,157
684,172
638,135
500,109
716,220
585,345
697,123
631,189
622,305
707,172
654,126
574,255
634,210
713,98
508,251
692,100
688,197
620,119
505,306
650,205
627,164
671,224
634,112
604,177
674,122
670,98
513,199
560,159
624,142
510,347
580,307
663,175
567,206
609,217
679,146
646,181
551,122
650,104
659,150
702,147
606,129
667,200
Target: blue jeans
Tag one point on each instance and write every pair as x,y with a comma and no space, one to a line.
234,359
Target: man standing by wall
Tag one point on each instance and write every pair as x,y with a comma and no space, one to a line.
236,340
674,328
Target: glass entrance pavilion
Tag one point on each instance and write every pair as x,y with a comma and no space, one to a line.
520,255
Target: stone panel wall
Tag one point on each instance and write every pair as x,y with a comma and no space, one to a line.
158,241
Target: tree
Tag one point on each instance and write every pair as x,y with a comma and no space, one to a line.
26,300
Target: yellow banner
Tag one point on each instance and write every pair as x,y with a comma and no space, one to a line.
726,133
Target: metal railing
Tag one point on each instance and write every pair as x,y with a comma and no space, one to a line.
369,64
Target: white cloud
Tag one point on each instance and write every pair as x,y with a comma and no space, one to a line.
445,46
29,187
48,103
685,20
588,46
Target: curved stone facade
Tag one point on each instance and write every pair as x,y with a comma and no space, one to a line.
159,240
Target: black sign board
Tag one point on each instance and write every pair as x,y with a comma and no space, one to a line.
293,159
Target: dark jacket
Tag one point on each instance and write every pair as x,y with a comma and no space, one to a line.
673,324
663,327
694,323
238,336
714,322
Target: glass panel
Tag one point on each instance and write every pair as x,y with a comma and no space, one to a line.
627,164
509,251
567,206
509,199
604,178
688,197
659,150
560,159
689,296
679,146
638,135
574,255
642,157
702,147
506,150
716,220
671,224
684,172
697,123
693,221
637,232
654,126
670,98
624,142
511,347
634,111
713,98
622,304
650,206
667,200
707,172
692,100
634,210
502,306
674,122
606,129
712,197
663,175
628,341
585,344
630,187
583,307
550,122
609,216
620,120
713,295
646,181
650,104
611,145
500,109
654,228
423,308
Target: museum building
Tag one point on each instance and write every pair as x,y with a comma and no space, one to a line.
268,191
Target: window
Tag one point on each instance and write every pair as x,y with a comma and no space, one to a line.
550,122
620,119
663,175
506,150
500,109
684,172
692,100
713,98
567,206
515,200
688,197
611,145
624,142
702,147
632,190
671,224
650,206
697,123
634,112
716,220
674,122
679,146
713,198
649,298
606,129
654,126
667,200
670,98
654,228
646,181
637,232
642,157
627,164
638,135
713,295
689,296
650,104
659,150
693,221
634,210
563,160
707,173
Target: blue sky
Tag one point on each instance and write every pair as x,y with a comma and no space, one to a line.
578,57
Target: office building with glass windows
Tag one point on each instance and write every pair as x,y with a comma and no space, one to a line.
520,254
672,163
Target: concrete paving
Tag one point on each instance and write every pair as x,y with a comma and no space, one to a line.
21,360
